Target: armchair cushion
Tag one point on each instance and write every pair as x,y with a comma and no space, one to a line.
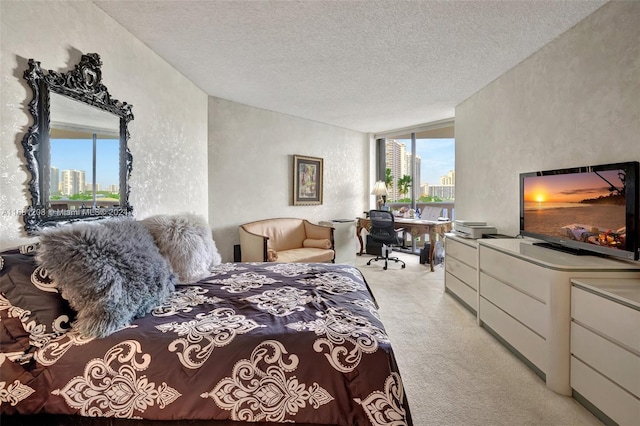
305,255
313,243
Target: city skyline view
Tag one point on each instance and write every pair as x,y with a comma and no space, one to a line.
437,158
77,154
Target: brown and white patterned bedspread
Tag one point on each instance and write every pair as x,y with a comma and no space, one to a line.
266,342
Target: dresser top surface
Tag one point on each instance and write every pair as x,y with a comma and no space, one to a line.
525,249
473,243
623,289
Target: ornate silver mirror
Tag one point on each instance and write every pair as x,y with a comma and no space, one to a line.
76,149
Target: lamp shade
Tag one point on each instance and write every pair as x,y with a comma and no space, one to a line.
380,188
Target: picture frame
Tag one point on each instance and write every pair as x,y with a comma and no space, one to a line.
307,180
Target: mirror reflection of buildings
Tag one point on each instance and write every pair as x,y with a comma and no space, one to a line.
69,189
85,141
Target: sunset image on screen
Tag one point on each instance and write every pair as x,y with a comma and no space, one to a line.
587,207
573,188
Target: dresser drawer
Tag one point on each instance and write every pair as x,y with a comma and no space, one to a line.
462,290
525,276
461,251
522,307
462,271
618,322
612,400
609,359
529,344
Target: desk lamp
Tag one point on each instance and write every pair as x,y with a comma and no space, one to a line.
380,190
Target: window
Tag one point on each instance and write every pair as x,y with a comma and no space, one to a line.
419,168
432,179
428,166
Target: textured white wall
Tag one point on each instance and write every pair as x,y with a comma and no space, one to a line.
250,168
168,135
575,102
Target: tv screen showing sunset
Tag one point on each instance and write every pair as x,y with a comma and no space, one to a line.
587,207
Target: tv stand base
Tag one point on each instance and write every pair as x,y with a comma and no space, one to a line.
565,249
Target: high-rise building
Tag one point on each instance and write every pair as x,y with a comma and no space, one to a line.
89,187
113,188
448,179
396,161
54,187
406,167
445,192
72,182
447,189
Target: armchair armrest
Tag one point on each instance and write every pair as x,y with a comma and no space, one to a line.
318,232
253,247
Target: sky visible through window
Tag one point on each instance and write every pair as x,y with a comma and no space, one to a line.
69,154
437,158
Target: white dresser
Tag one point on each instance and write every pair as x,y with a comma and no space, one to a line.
605,347
525,300
461,270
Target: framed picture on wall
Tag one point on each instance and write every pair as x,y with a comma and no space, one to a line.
307,180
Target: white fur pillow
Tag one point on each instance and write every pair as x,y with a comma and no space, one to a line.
185,240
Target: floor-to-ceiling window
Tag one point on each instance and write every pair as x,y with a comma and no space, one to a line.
433,174
419,169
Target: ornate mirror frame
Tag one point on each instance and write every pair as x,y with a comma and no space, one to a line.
82,84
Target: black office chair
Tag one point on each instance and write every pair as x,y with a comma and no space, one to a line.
383,230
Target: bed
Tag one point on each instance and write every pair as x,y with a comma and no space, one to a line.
250,342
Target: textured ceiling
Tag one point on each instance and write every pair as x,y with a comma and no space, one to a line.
364,65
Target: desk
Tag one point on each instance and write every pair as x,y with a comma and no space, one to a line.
415,227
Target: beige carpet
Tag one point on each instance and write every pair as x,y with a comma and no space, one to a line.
454,372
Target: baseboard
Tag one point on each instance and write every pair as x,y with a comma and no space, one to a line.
593,409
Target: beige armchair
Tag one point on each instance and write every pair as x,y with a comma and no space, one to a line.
286,240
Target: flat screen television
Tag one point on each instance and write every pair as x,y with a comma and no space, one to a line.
583,210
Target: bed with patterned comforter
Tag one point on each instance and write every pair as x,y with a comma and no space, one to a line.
264,342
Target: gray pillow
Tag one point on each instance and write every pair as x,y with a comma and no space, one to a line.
110,271
185,240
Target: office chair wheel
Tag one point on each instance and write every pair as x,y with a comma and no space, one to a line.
403,266
385,268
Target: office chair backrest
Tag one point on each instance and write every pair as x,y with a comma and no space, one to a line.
383,226
383,231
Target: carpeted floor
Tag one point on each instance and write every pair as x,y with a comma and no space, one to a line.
454,372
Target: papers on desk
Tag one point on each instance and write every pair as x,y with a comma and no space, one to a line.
418,221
